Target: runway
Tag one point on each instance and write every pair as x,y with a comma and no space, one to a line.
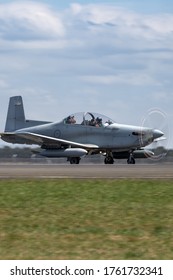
90,171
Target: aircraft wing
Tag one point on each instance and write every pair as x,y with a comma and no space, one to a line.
48,141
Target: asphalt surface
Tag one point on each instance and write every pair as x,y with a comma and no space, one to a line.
141,171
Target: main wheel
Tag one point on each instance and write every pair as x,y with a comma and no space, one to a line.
74,160
109,160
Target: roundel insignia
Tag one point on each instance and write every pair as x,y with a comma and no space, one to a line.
57,133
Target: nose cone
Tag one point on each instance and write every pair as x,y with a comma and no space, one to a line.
157,133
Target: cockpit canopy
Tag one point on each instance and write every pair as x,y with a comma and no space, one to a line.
89,119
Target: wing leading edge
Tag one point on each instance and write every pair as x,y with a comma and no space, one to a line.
47,140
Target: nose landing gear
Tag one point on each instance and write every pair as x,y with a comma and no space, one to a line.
131,159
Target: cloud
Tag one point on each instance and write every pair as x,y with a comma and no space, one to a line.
33,25
134,79
123,20
29,21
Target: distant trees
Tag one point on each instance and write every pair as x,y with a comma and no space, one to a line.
8,152
26,152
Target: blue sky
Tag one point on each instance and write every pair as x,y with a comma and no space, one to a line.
112,57
149,6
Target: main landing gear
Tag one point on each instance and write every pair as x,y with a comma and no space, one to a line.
74,160
109,158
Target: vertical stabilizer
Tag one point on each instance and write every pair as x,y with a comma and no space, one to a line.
15,116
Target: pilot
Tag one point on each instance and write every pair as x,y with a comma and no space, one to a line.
98,122
92,122
73,120
70,120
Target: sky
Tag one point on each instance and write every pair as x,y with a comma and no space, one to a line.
111,57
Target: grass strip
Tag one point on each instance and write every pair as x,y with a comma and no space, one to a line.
86,219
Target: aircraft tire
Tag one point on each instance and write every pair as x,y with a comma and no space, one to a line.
74,160
131,161
108,160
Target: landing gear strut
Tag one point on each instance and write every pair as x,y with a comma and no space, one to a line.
109,158
131,159
74,160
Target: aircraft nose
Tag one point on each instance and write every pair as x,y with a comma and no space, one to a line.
157,133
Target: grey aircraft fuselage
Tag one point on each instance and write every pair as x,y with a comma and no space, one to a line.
115,136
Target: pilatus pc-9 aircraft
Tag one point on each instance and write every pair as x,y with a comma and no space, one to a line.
78,135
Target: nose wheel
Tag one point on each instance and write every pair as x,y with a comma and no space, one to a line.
131,159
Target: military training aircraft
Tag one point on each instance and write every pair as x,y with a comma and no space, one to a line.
78,135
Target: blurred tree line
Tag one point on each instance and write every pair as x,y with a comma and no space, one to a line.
8,152
26,152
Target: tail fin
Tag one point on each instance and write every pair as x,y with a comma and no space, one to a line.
16,116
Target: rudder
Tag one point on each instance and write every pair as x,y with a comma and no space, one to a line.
15,115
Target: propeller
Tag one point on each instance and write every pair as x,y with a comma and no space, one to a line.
158,136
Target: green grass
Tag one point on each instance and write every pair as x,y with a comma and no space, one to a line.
86,219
